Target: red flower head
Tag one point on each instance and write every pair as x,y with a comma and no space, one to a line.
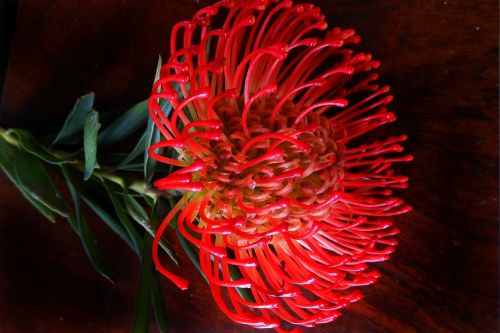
268,116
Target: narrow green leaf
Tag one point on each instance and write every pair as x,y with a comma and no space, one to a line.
30,144
135,153
72,130
112,223
156,292
135,209
90,142
125,125
8,155
150,201
42,209
159,304
122,216
92,251
152,133
152,136
143,300
137,212
134,167
191,251
158,69
34,180
76,220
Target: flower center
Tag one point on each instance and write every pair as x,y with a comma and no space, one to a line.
283,173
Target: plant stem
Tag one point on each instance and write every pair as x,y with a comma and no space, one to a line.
136,184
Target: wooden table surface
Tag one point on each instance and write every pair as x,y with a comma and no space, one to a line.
441,59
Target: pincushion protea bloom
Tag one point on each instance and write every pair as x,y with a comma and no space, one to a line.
266,110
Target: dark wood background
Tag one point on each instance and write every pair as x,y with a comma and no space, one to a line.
440,57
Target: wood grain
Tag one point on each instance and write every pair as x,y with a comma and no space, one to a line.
441,59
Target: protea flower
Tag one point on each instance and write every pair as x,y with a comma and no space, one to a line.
268,118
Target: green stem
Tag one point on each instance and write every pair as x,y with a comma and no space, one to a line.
136,184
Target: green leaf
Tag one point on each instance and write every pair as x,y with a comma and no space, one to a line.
72,130
42,209
158,69
152,136
125,125
122,216
156,292
76,220
143,298
150,201
30,144
137,212
191,251
35,181
135,153
112,223
78,223
8,155
92,251
32,179
90,142
134,167
135,209
159,304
